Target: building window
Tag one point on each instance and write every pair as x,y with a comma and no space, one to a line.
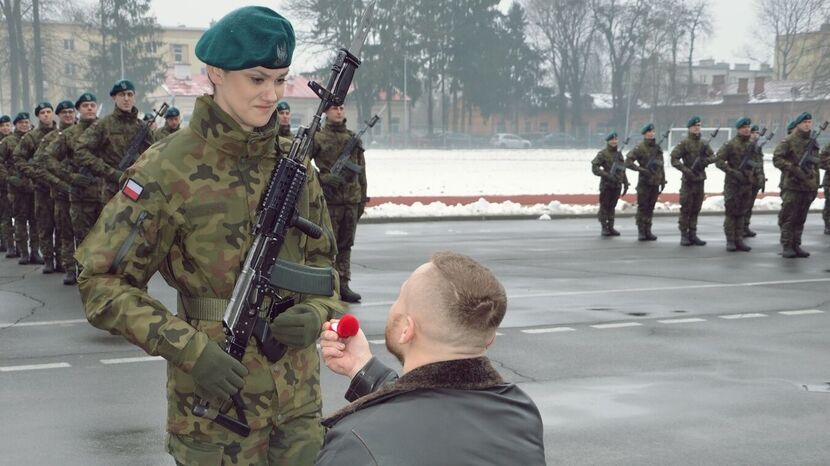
69,44
543,126
178,53
69,69
151,47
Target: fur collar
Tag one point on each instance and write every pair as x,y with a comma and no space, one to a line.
460,374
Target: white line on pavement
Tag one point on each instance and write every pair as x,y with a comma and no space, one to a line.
34,367
743,316
801,313
549,330
38,324
619,325
129,360
681,321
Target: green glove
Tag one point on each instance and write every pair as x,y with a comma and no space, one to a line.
217,374
299,326
15,181
81,181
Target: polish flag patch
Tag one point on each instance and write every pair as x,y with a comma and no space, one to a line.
132,189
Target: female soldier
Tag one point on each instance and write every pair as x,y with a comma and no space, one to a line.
186,209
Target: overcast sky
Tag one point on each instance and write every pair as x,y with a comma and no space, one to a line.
730,41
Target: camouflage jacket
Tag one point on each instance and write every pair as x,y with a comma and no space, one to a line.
198,192
24,155
285,132
41,160
639,158
684,155
786,157
825,165
163,132
760,177
328,143
729,159
61,169
102,146
602,166
4,173
9,171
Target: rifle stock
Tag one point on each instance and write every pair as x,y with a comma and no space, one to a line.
132,153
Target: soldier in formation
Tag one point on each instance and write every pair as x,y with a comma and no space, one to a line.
759,179
735,159
345,193
172,121
691,157
284,117
6,238
186,209
19,194
609,165
647,159
825,184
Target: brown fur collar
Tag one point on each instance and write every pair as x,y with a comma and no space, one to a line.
460,374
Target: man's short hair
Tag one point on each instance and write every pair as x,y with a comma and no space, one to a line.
473,297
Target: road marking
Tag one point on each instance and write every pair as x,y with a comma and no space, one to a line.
34,367
681,321
549,330
801,313
377,342
38,324
743,316
129,360
619,325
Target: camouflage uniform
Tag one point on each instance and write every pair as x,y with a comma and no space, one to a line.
345,195
104,144
6,236
163,132
798,189
649,182
609,186
759,185
825,165
48,168
192,222
21,202
737,189
683,157
285,132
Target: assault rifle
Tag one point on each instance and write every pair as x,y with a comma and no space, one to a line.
618,167
749,155
343,162
135,144
809,158
652,162
696,166
256,290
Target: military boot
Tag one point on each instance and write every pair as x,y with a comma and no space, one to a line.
749,233
741,246
49,265
611,228
34,258
12,252
641,233
800,252
605,230
694,239
2,246
684,238
346,294
730,245
649,235
59,268
788,252
827,230
70,278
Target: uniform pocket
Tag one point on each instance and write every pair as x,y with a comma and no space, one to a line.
190,452
128,242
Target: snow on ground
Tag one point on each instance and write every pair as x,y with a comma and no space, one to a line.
505,172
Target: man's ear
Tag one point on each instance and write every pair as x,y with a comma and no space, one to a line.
492,339
408,332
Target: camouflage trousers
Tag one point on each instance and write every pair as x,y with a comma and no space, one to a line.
737,200
752,198
83,216
609,194
825,214
6,227
45,220
795,205
344,219
25,225
646,199
64,236
691,200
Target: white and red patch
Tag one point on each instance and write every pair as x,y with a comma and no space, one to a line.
132,189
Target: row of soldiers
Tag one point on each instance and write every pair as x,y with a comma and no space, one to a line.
55,178
741,159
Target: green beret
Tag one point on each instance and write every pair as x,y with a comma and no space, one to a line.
149,116
743,121
171,112
42,106
610,136
121,86
695,120
5,119
85,97
64,105
283,105
21,116
755,129
648,127
802,117
248,37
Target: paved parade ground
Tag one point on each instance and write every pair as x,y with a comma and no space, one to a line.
635,353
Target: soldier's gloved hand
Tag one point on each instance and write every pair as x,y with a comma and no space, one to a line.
798,173
81,181
738,176
15,181
217,374
115,176
299,326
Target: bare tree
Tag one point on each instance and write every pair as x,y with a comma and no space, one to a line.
699,23
782,22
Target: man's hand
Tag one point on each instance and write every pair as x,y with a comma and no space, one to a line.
344,356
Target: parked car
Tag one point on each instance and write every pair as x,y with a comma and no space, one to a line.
557,141
509,141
